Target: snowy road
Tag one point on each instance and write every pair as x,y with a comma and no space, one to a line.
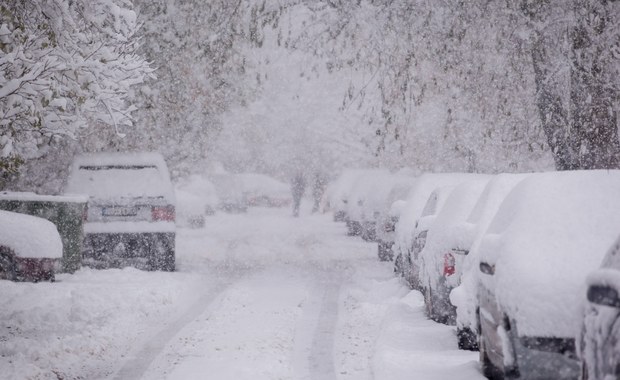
257,296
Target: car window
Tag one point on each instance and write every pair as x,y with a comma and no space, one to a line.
110,181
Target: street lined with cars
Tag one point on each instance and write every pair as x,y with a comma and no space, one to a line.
505,259
522,268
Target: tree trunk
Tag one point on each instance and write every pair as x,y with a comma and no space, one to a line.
553,115
595,137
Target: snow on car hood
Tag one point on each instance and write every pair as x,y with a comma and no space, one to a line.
29,236
549,233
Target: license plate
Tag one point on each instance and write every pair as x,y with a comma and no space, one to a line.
119,211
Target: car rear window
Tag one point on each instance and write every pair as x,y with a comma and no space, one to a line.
114,181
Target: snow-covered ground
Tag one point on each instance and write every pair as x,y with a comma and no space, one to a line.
256,296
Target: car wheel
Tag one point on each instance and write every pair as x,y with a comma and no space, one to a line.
466,339
384,251
8,270
162,256
398,265
489,370
428,302
584,370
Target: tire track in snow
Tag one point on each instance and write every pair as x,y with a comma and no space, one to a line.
137,366
315,353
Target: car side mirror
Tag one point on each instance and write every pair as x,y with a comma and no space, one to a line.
487,268
604,295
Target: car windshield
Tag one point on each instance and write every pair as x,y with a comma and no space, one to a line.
114,181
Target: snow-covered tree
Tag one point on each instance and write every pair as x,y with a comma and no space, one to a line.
575,55
66,67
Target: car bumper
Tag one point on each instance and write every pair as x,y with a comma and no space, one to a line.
147,251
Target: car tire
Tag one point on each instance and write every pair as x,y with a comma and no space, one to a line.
385,251
489,370
399,265
7,267
162,255
584,370
466,339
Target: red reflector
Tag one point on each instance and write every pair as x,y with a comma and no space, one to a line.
448,264
163,213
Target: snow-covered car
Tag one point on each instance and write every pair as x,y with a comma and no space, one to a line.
549,233
464,280
196,197
410,212
378,198
264,191
410,262
386,228
443,245
30,247
386,211
369,186
338,193
229,190
131,210
599,343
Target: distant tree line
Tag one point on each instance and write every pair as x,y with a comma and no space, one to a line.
474,85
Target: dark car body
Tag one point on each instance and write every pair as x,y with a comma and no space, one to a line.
131,210
15,268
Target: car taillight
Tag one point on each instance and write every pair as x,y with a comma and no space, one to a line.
448,264
163,213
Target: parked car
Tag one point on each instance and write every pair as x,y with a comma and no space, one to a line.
386,215
366,184
599,343
131,210
264,191
386,230
30,247
65,212
464,280
196,198
378,198
444,245
548,234
338,193
411,261
407,239
229,190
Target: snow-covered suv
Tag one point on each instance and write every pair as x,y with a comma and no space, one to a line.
131,210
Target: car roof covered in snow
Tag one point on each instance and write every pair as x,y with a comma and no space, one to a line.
119,175
549,233
29,236
418,197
